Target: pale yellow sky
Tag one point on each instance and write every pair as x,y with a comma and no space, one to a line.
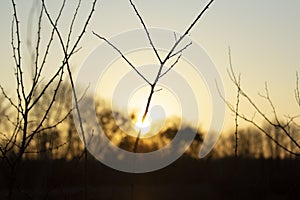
263,36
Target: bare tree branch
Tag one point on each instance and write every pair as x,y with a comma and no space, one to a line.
18,48
168,56
297,93
29,98
66,59
162,62
187,30
146,30
176,61
181,50
277,124
10,100
47,150
231,108
72,24
238,81
123,56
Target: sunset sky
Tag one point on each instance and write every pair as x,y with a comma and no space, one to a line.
263,37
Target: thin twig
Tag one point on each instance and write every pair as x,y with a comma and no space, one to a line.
10,100
48,149
238,81
146,30
163,63
123,56
297,93
72,24
181,50
277,124
231,107
171,67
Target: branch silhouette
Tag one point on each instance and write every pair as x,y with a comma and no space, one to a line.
67,57
123,56
29,97
285,127
162,62
237,80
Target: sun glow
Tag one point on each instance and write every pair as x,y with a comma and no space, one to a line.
143,126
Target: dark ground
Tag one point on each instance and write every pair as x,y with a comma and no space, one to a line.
184,179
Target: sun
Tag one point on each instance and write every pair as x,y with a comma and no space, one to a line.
139,125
